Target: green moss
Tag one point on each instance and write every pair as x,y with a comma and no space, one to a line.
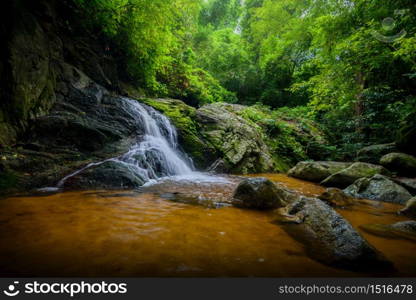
290,137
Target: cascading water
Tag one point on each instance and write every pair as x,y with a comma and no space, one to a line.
156,155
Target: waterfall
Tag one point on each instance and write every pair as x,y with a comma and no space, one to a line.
156,154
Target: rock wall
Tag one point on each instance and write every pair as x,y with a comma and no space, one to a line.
38,40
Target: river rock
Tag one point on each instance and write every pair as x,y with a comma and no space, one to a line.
410,209
109,175
318,170
408,183
348,176
379,188
336,198
330,239
402,163
372,154
401,230
261,193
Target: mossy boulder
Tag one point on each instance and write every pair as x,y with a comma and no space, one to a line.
401,163
372,154
379,188
317,171
262,194
237,142
348,176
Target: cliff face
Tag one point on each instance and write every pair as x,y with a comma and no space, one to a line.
57,108
39,38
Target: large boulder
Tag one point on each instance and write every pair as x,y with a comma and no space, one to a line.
379,188
372,154
410,209
261,193
109,175
238,142
401,230
401,163
330,239
348,176
318,170
336,198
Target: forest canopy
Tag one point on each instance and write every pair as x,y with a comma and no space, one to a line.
348,64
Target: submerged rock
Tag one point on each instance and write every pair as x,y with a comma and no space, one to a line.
318,170
261,193
410,209
379,188
372,154
348,176
330,239
404,164
401,230
337,198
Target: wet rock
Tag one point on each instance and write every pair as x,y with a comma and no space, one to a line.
372,154
282,217
219,166
410,209
261,193
401,230
408,183
330,239
379,188
109,175
348,176
318,170
403,164
336,198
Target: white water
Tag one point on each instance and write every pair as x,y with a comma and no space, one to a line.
156,156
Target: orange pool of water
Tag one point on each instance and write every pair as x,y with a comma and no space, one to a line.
140,234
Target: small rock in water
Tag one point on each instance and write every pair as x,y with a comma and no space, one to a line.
261,193
336,198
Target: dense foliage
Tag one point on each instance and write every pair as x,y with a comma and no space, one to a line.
350,64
